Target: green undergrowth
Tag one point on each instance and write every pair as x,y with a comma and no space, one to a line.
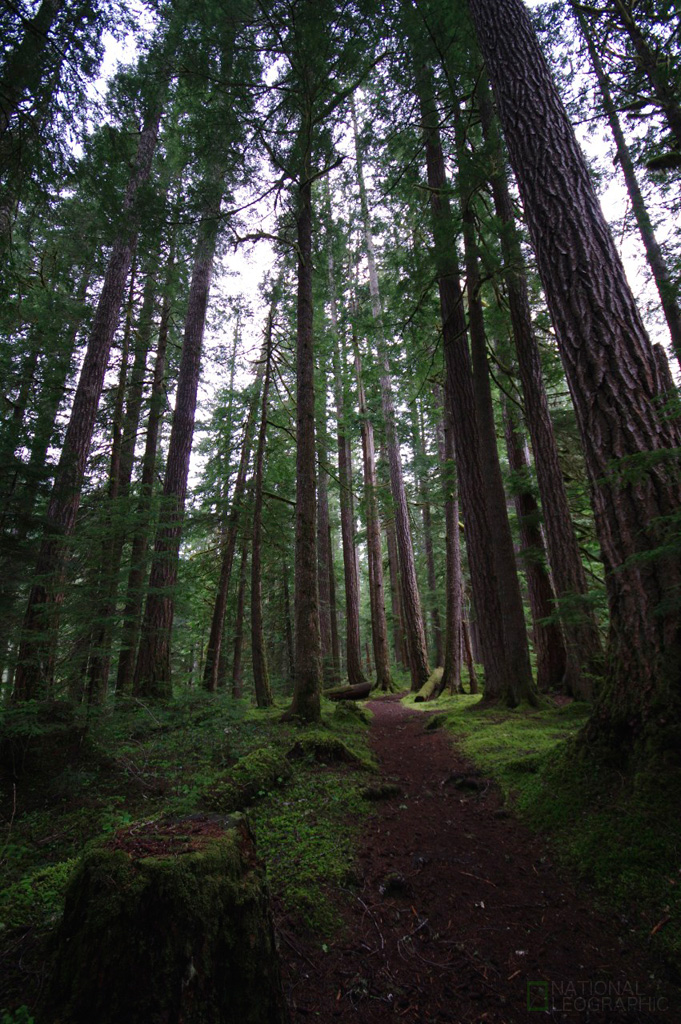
70,782
621,834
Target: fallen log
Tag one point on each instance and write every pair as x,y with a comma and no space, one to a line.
360,691
430,689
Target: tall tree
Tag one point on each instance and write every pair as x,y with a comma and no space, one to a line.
610,368
263,692
411,601
40,622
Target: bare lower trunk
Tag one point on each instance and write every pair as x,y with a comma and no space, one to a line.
308,682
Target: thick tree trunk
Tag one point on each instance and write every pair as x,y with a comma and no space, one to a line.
582,640
549,648
261,679
134,599
40,622
610,369
153,671
460,401
666,287
518,684
395,603
308,682
415,633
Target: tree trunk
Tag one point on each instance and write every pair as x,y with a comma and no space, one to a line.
379,625
666,287
333,610
353,652
395,603
582,640
153,670
210,671
460,401
610,369
306,695
451,676
323,548
549,648
424,499
415,633
122,461
288,625
134,599
518,685
261,680
237,667
41,620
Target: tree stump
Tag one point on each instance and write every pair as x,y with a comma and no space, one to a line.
168,923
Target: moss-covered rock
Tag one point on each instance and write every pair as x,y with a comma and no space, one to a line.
324,747
251,777
168,923
346,712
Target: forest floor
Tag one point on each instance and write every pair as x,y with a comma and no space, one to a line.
459,913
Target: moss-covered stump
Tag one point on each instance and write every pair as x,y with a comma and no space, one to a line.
169,923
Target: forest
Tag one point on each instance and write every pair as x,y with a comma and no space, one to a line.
340,510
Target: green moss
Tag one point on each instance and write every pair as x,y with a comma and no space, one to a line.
37,900
308,840
327,748
250,779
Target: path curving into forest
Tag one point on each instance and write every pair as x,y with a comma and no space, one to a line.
460,914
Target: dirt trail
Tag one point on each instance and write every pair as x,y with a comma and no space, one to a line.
460,914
